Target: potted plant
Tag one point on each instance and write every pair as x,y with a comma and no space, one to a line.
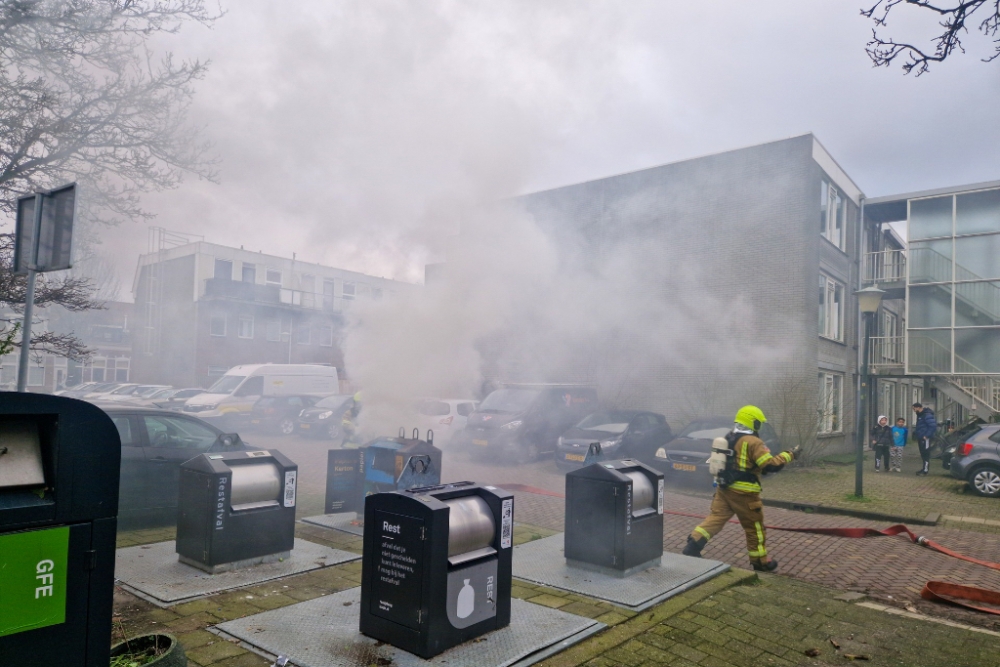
149,651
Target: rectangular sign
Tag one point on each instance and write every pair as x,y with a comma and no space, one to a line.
344,470
397,588
290,476
55,231
506,523
33,569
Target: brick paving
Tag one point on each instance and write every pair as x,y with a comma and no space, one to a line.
890,570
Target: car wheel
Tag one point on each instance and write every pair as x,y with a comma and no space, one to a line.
333,432
985,481
526,452
286,426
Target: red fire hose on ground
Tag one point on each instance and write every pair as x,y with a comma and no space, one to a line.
937,591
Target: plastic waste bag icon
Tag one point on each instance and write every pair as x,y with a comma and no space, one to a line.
466,600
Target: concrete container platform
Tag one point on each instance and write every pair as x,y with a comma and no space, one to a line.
348,522
324,633
542,562
153,572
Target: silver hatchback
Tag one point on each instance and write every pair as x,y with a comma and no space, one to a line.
977,461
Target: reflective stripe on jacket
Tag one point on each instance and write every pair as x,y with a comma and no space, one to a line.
751,455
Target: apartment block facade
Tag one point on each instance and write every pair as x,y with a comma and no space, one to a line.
775,227
202,308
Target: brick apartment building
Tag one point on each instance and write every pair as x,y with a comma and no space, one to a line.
202,308
776,225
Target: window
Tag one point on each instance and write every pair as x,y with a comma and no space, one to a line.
36,376
326,336
124,426
273,330
254,386
97,365
218,325
328,293
349,291
302,334
249,273
832,213
246,327
121,369
831,309
8,374
178,433
831,403
272,277
223,269
308,283
466,409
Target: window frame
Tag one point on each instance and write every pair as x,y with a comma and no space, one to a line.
246,267
272,325
830,287
218,261
239,326
833,214
308,335
268,280
326,336
830,404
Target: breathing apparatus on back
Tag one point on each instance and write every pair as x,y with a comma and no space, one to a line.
748,421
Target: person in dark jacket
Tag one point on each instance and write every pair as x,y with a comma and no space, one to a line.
881,442
924,430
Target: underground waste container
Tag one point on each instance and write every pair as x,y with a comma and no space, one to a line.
236,509
59,467
614,517
436,567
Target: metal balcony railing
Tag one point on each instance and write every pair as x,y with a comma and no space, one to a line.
886,352
884,266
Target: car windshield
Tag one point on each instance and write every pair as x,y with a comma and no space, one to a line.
509,400
122,391
103,387
227,384
162,393
146,392
609,422
706,429
433,408
333,402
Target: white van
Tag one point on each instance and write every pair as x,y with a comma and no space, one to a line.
234,394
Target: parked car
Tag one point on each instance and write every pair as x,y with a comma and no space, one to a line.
444,416
323,419
279,414
231,398
686,456
154,444
75,389
622,434
977,460
950,441
174,399
90,387
104,390
522,422
131,393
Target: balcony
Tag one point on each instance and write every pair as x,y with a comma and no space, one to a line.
885,268
235,290
886,355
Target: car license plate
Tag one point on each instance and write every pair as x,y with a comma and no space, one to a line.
686,467
481,443
574,457
303,425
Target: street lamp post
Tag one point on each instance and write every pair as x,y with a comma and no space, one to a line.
868,302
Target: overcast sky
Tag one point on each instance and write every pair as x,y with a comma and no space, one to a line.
357,133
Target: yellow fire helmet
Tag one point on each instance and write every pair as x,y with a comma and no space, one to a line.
750,416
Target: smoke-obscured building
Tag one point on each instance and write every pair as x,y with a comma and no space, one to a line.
202,308
775,227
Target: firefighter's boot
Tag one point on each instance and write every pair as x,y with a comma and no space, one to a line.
769,566
693,547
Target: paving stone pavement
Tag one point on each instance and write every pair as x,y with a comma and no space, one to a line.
774,622
881,566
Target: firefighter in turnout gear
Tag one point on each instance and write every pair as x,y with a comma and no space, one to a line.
738,461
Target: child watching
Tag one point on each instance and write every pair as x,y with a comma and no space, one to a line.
899,433
881,442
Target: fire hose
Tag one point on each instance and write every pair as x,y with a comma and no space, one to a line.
935,591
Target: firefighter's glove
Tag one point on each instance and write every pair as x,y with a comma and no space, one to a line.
796,452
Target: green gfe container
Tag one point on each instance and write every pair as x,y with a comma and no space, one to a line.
59,463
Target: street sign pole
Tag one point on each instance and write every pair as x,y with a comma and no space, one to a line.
29,298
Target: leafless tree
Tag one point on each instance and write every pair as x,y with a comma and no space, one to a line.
955,19
84,98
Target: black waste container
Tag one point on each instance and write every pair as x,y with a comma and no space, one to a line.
59,467
436,568
614,517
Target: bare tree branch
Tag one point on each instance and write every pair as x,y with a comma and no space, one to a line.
954,23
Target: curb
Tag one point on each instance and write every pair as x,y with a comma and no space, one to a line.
810,508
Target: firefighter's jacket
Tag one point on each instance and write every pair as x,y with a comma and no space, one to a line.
750,459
